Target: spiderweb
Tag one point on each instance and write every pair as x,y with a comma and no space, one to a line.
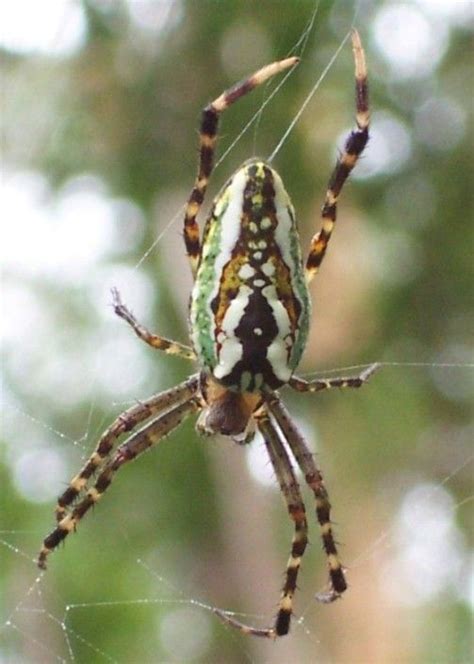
405,540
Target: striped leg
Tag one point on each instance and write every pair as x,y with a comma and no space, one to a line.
314,479
141,441
153,340
301,385
124,423
291,492
355,144
207,144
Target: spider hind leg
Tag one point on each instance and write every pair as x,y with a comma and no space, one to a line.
314,480
284,472
170,408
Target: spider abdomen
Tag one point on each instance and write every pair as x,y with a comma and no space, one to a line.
250,306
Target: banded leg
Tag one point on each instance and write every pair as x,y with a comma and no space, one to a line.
301,385
289,486
124,423
315,481
141,441
153,340
207,144
353,148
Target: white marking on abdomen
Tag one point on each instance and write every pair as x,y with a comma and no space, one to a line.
232,350
246,271
277,352
229,231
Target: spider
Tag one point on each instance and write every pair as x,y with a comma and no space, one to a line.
249,320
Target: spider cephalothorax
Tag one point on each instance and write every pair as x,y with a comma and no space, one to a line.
225,411
249,319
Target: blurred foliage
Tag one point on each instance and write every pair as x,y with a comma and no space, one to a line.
396,287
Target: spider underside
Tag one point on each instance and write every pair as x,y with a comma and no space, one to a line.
249,319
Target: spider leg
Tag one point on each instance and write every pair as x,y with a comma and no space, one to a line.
207,143
153,340
315,481
353,148
301,385
289,486
124,423
141,441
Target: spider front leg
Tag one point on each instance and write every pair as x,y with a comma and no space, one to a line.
124,423
207,144
153,340
291,492
353,148
314,480
141,441
301,385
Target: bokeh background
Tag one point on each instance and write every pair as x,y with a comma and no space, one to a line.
101,101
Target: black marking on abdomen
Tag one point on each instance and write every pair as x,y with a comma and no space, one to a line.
258,315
